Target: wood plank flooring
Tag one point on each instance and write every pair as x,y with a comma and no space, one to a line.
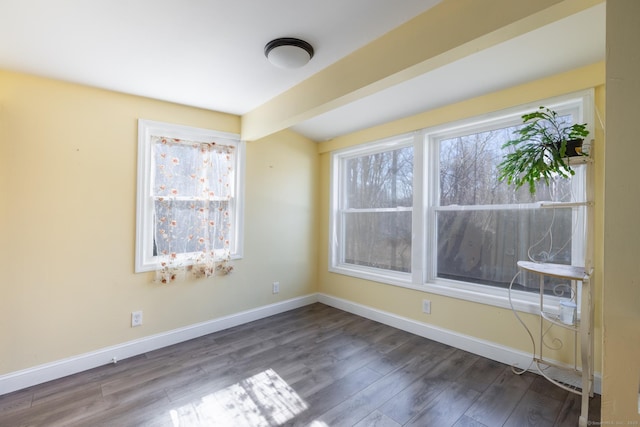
314,366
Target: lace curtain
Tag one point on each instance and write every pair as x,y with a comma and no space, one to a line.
193,192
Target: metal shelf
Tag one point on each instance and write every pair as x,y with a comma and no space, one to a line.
576,380
555,319
561,271
582,329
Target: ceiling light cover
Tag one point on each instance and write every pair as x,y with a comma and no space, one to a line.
288,52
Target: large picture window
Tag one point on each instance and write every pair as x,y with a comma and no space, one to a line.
427,210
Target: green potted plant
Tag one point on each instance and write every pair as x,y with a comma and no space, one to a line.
541,149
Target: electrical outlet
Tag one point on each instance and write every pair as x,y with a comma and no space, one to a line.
426,306
276,287
136,318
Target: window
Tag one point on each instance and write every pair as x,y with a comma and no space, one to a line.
189,198
483,227
375,203
426,211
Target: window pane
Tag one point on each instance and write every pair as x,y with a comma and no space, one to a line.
381,180
192,226
484,246
469,173
178,169
379,239
190,170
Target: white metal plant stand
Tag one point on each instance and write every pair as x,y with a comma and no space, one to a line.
582,328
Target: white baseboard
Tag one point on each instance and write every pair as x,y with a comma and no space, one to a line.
490,350
61,368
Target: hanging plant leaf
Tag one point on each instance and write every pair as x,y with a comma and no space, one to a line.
540,149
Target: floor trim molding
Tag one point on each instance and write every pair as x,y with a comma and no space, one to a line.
488,349
61,368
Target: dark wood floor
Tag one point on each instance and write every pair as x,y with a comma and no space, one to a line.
314,366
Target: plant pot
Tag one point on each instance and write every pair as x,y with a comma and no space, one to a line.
574,148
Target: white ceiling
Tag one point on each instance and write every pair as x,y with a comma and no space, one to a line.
209,53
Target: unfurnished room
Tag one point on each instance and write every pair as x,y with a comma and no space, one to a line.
319,213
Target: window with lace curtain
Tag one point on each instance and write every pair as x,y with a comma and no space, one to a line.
189,202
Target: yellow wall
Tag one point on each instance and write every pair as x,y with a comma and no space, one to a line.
67,223
477,320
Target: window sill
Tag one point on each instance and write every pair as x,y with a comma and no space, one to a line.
496,297
487,295
375,275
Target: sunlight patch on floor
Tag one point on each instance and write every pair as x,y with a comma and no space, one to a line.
263,400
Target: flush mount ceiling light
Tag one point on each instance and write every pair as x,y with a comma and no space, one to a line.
287,52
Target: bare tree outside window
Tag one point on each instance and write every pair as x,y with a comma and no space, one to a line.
377,218
484,227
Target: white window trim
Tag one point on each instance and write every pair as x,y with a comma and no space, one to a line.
144,259
422,273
